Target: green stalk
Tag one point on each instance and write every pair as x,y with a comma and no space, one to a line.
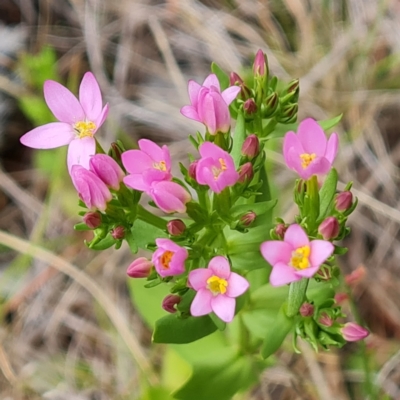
150,218
297,295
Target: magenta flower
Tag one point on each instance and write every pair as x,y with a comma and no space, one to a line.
309,152
151,163
209,105
216,288
353,332
169,258
295,257
91,189
107,169
169,196
79,121
216,168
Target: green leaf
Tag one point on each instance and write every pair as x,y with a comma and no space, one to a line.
239,137
144,233
330,123
131,242
221,75
175,329
156,393
81,226
269,297
327,193
247,260
258,321
103,244
258,208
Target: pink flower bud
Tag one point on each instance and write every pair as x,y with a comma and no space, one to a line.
329,228
325,320
250,106
118,232
356,276
169,196
353,332
192,169
248,218
341,297
170,302
307,310
92,219
251,146
344,201
260,66
107,170
246,173
236,80
280,230
140,268
176,227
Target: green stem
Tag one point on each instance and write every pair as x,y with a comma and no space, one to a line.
150,218
297,295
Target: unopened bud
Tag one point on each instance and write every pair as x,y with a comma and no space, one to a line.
271,104
192,169
170,302
118,232
353,332
356,276
288,113
115,151
236,80
107,169
329,228
140,268
250,106
248,218
246,173
280,230
344,201
325,320
307,310
341,297
176,227
260,67
292,93
251,146
92,219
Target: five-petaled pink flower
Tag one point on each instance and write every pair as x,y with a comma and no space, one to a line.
151,163
169,258
295,257
216,288
209,105
216,168
309,152
78,121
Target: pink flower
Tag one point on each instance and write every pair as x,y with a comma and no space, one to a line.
169,196
107,169
151,163
209,106
140,268
295,257
169,258
309,152
91,189
79,121
216,288
353,332
216,168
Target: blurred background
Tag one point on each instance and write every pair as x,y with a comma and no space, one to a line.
68,328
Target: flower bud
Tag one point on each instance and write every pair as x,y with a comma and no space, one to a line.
325,320
271,104
116,151
341,297
107,169
176,227
280,230
118,232
250,106
140,268
260,67
192,169
329,228
344,201
353,332
356,276
248,218
251,146
246,173
288,113
307,310
236,80
92,219
170,302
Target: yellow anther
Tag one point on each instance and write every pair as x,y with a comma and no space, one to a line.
217,285
85,129
222,163
306,159
161,166
300,258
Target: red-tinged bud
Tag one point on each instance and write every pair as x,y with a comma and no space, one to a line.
325,320
116,151
170,302
353,332
288,113
329,228
236,80
356,276
192,169
307,310
251,146
248,218
260,65
344,201
250,106
118,232
271,105
92,219
341,297
140,268
280,230
246,173
176,227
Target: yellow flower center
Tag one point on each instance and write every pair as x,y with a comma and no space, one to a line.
217,285
166,258
300,257
306,159
161,166
217,171
85,129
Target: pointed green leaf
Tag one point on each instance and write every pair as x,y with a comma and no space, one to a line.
239,137
221,75
327,193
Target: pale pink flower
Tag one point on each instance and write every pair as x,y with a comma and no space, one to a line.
169,258
169,196
216,168
309,152
107,169
151,163
209,105
78,120
295,257
91,189
216,288
353,332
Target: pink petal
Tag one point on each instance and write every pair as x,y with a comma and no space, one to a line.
319,166
136,161
293,161
237,285
152,175
90,96
312,137
166,157
290,141
230,94
190,112
307,272
49,136
208,149
223,307
207,113
296,236
275,251
193,89
153,150
135,181
320,251
220,266
221,111
198,278
332,148
169,196
102,117
211,80
201,304
80,151
282,274
62,103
